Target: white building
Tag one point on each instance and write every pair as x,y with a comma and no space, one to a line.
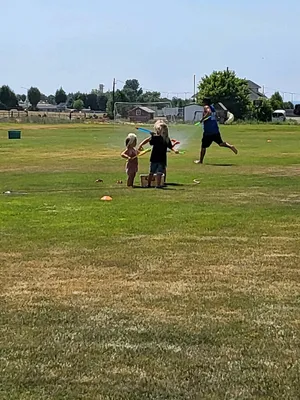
192,113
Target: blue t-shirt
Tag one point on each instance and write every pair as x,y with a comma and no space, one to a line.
210,125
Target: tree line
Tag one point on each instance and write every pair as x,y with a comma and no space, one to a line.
221,86
95,100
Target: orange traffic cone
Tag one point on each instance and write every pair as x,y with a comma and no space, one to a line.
106,198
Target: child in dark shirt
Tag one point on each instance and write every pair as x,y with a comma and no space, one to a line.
160,143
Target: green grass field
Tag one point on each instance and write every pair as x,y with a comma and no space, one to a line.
192,292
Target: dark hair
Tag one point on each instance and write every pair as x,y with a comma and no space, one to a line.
207,101
127,141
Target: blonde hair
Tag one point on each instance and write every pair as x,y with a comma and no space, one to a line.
161,129
131,140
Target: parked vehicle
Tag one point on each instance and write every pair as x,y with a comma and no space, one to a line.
279,116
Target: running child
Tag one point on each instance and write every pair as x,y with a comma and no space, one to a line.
130,154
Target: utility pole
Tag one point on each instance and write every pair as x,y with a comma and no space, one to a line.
194,88
113,96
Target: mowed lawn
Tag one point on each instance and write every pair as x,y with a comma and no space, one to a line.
192,292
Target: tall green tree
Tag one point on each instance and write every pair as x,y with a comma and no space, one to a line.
132,90
102,101
60,96
92,102
8,98
276,101
225,87
34,96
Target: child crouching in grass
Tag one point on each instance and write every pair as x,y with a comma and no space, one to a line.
160,143
130,154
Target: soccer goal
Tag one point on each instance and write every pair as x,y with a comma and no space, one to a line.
143,113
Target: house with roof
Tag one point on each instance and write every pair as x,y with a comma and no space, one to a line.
141,114
254,90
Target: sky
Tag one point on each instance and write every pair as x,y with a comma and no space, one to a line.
162,43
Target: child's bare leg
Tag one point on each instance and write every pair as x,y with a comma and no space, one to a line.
150,177
130,180
229,146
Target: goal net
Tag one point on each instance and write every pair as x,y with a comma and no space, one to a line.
144,113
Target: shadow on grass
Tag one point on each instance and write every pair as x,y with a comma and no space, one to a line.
154,188
222,165
174,184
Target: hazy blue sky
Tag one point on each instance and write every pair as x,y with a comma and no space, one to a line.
162,43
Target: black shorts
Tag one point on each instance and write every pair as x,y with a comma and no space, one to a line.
207,140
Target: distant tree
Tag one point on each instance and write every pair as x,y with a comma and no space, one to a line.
288,105
21,97
60,96
149,97
263,112
51,99
132,84
132,90
2,106
92,101
8,97
44,98
81,96
34,96
120,96
78,105
102,101
227,88
276,101
178,102
175,102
